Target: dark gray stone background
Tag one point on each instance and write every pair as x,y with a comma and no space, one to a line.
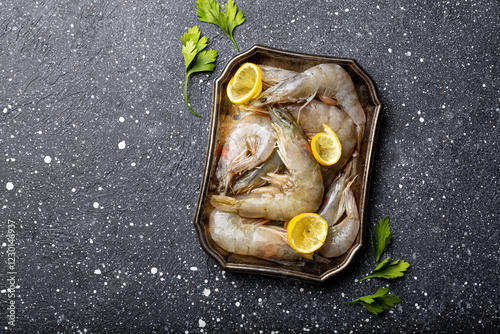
105,241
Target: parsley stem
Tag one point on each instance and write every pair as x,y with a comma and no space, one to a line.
185,96
234,42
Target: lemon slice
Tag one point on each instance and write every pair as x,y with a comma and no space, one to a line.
307,233
326,147
245,84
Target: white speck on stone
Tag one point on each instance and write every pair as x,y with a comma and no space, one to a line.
97,271
408,54
121,119
390,50
154,270
202,323
194,268
132,164
400,186
121,145
5,110
47,159
73,190
96,205
91,241
206,292
421,119
9,186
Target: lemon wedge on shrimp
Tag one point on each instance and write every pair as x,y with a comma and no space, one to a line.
245,84
306,233
326,147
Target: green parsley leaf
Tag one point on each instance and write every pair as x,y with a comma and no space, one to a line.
195,58
383,235
378,302
392,270
209,11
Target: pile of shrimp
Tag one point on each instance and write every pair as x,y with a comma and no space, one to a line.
267,173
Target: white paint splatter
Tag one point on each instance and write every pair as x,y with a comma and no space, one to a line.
47,159
154,270
206,292
194,268
390,50
9,186
96,205
97,271
421,119
121,145
202,323
408,54
121,119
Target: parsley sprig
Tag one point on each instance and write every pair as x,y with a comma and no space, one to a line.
192,47
378,302
209,11
383,235
389,271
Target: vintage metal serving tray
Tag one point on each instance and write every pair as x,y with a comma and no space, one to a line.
223,110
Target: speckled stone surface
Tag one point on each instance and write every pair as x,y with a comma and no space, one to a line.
101,164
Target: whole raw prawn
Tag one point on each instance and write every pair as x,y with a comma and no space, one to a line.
330,82
247,236
341,236
250,142
300,191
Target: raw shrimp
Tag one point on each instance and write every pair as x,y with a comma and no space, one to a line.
301,192
315,114
272,75
247,236
252,134
341,236
332,207
253,178
330,82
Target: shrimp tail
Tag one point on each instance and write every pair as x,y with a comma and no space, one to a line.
320,259
225,203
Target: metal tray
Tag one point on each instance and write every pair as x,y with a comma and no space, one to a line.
222,110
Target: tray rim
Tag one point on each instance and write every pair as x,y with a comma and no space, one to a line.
204,187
